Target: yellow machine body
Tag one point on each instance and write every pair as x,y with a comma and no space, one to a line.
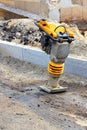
49,28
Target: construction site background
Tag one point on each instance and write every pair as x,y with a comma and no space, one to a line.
61,10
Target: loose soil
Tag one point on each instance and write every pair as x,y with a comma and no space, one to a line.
27,107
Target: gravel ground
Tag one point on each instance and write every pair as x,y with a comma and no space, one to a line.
14,116
26,105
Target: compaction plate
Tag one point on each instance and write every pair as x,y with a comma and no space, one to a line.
55,90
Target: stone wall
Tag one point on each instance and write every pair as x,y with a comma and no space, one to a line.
8,2
85,3
34,6
67,10
73,13
80,2
4,14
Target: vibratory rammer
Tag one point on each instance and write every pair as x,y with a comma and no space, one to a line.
55,40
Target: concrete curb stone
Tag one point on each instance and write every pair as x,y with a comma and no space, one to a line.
37,56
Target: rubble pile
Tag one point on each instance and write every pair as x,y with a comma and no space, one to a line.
22,31
25,32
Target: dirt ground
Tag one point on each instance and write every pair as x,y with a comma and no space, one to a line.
23,106
14,116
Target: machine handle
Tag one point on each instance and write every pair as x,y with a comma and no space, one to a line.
60,26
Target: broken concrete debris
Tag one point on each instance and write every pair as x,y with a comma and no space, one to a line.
19,32
25,32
